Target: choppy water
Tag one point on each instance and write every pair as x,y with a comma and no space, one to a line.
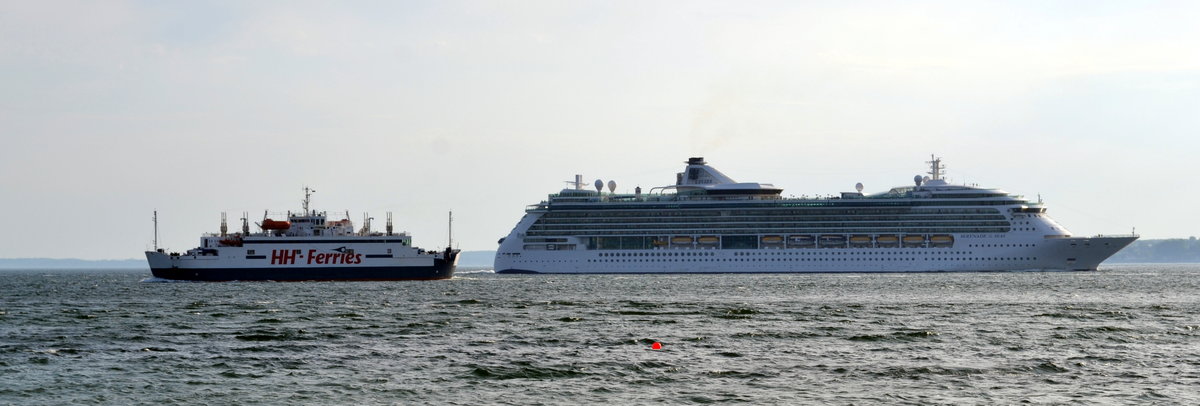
1125,334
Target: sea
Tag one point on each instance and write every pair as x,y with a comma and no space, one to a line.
1126,334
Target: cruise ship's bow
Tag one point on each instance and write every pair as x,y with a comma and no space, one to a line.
1086,253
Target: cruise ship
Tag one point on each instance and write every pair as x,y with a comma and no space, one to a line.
708,223
307,246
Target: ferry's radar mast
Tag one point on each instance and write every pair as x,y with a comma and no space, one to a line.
307,196
936,170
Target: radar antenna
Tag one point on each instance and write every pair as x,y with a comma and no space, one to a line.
577,184
936,170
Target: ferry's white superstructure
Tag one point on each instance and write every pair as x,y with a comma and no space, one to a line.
708,223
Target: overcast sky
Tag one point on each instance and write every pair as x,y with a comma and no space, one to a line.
110,110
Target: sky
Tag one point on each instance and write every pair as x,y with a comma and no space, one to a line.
112,110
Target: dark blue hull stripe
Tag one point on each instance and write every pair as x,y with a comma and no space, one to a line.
440,270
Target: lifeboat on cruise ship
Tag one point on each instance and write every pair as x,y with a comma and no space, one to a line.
801,241
659,243
833,241
860,240
914,240
681,240
941,240
708,239
231,242
269,224
772,239
887,240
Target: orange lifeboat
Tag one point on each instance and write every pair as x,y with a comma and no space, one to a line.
269,224
913,240
887,239
860,240
772,239
942,240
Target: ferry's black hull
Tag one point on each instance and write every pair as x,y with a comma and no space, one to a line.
440,270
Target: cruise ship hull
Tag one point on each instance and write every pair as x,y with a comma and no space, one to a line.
1060,254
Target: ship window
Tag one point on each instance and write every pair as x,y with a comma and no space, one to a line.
250,252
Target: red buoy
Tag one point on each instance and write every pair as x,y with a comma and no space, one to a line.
656,346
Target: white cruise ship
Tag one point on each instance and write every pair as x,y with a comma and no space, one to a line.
708,223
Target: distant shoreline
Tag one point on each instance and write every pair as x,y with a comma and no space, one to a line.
71,263
1164,251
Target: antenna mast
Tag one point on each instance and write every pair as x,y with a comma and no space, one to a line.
156,230
936,170
307,196
450,230
366,228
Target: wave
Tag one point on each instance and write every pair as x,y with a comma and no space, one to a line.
525,370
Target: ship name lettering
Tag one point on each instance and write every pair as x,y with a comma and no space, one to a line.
333,258
283,257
